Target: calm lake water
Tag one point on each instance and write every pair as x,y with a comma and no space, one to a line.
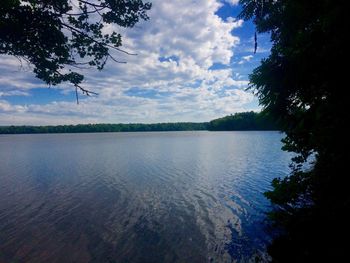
136,197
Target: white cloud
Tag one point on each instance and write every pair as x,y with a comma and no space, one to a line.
245,59
232,2
6,107
14,93
187,32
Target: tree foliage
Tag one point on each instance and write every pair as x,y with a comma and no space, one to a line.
301,85
56,36
244,121
104,127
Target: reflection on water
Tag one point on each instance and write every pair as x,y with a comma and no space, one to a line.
136,197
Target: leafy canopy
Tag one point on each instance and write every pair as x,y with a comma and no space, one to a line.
302,84
56,35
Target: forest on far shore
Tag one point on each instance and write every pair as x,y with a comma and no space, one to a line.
237,122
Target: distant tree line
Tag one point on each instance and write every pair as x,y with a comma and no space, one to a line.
244,121
86,128
238,121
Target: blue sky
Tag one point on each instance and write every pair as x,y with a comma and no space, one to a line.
193,62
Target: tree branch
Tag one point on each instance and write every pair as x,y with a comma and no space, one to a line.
98,42
94,5
77,86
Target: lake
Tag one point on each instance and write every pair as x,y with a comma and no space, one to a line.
137,197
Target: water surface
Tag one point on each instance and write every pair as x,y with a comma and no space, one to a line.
136,197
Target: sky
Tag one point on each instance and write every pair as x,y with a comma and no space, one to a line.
192,64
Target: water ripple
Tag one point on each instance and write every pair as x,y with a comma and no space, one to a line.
136,197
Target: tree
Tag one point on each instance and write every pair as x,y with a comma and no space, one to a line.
301,84
244,121
57,35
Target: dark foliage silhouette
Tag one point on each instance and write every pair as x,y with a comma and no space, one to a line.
58,36
301,84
